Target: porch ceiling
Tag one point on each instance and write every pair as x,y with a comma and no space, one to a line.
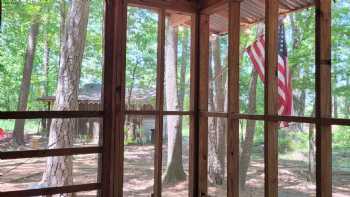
252,11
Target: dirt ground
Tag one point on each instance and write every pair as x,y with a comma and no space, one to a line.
138,176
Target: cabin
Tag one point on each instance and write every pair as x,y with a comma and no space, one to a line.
193,104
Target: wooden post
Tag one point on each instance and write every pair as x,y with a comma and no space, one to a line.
270,132
203,105
194,97
113,103
159,105
323,99
233,100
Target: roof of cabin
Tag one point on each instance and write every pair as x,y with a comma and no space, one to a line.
89,93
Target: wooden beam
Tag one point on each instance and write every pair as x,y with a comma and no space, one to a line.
155,112
270,132
214,114
113,104
49,152
118,140
209,6
53,190
109,91
203,105
159,105
49,114
233,99
177,5
180,19
323,99
194,100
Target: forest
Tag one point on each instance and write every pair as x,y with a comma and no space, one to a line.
51,58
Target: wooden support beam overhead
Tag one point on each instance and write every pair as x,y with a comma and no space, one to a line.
177,5
159,105
203,105
233,100
270,132
180,19
207,7
323,99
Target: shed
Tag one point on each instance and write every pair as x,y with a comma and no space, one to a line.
89,100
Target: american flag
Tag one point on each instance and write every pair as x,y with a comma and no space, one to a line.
256,53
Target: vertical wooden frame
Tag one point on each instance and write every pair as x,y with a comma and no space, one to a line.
270,127
323,99
194,96
203,105
113,100
233,99
159,105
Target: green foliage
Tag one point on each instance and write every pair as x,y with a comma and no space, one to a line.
17,17
141,55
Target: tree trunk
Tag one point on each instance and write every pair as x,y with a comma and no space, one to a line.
299,103
63,14
312,150
59,170
250,131
217,127
347,102
45,84
182,81
335,106
174,171
25,84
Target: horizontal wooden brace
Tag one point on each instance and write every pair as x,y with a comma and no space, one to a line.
49,152
49,114
277,118
154,112
52,190
214,114
311,120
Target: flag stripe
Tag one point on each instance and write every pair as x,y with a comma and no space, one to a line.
256,53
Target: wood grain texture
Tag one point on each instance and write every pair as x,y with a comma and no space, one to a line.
194,100
323,99
203,105
49,152
49,114
187,6
233,100
270,132
52,190
113,103
159,105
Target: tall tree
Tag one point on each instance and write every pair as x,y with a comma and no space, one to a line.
298,101
59,170
174,171
46,58
26,78
250,131
247,144
217,126
182,80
